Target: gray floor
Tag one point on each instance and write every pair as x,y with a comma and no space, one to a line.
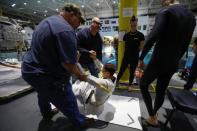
23,114
11,83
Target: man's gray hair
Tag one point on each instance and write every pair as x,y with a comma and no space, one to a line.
68,7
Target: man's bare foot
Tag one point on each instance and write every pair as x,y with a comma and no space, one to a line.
152,121
130,88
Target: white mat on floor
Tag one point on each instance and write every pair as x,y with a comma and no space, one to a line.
120,110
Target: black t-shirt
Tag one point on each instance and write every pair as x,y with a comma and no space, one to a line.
87,42
132,44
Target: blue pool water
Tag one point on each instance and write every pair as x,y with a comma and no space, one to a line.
109,57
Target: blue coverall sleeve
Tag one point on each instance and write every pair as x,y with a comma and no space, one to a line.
67,46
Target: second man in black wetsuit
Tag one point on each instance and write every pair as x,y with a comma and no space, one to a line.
134,42
172,32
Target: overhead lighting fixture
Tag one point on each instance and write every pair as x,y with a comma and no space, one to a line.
45,11
82,6
34,12
13,5
45,15
97,4
57,9
38,1
25,3
114,2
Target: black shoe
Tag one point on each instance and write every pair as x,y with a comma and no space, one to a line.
49,116
186,87
87,123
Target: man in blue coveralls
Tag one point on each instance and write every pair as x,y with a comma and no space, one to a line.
50,62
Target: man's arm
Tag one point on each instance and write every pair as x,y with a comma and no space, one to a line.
99,83
141,38
188,36
98,64
67,51
195,48
99,49
157,30
80,40
141,45
75,70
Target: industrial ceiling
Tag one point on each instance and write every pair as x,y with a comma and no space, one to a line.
36,10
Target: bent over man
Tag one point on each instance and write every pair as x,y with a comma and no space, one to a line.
50,62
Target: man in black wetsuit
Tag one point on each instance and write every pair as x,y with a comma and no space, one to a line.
193,73
172,32
134,42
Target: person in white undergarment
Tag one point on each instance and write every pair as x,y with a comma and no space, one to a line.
96,91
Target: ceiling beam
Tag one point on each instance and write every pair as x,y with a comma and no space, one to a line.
22,17
21,14
82,2
87,5
108,4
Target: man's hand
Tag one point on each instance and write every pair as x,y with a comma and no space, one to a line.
75,70
82,77
195,48
92,54
140,64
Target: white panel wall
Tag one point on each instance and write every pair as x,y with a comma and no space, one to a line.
110,26
143,24
102,13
